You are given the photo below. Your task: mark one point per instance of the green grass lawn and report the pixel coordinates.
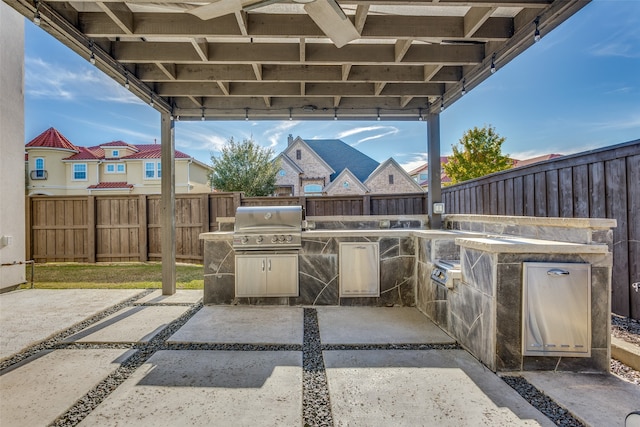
(112, 276)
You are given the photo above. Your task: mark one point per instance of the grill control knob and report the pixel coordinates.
(259, 239)
(274, 239)
(289, 238)
(281, 238)
(245, 239)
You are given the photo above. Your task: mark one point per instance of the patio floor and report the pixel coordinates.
(105, 358)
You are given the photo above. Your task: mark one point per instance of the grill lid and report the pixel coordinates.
(267, 227)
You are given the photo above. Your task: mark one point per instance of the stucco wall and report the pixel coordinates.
(12, 182)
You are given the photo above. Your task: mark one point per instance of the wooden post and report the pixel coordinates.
(433, 172)
(28, 232)
(168, 205)
(206, 224)
(237, 201)
(143, 230)
(91, 229)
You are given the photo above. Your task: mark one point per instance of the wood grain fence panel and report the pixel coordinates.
(581, 191)
(509, 197)
(617, 208)
(518, 195)
(540, 194)
(633, 208)
(528, 183)
(553, 202)
(501, 198)
(565, 177)
(473, 202)
(597, 204)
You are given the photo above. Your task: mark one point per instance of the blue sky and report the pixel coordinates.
(575, 90)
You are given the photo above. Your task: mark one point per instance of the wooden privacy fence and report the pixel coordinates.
(127, 228)
(602, 183)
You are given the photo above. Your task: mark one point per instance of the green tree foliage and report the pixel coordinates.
(480, 154)
(244, 166)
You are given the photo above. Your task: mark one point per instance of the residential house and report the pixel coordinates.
(55, 166)
(330, 167)
(420, 174)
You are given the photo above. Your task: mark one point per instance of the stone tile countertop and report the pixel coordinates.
(394, 232)
(515, 244)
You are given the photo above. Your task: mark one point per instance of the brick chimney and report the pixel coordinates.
(290, 140)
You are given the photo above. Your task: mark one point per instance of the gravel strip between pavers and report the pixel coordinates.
(328, 347)
(542, 402)
(95, 396)
(60, 336)
(316, 406)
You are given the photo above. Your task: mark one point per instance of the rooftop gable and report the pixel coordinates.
(391, 161)
(52, 138)
(346, 175)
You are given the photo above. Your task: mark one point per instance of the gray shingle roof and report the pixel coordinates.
(340, 156)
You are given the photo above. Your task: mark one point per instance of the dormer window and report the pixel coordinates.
(115, 153)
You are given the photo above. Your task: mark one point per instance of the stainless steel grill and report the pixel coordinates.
(267, 227)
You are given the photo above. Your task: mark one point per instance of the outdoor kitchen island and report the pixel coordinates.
(481, 306)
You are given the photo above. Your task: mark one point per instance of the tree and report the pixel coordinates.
(244, 166)
(480, 154)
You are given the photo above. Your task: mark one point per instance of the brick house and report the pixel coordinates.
(57, 167)
(330, 167)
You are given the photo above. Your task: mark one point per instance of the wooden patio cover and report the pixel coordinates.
(296, 59)
(304, 59)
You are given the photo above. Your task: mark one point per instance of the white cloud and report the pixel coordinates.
(275, 135)
(48, 80)
(392, 131)
(355, 131)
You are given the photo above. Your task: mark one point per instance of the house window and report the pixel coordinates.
(298, 154)
(39, 172)
(423, 176)
(115, 168)
(115, 153)
(80, 172)
(312, 190)
(282, 172)
(152, 170)
(391, 179)
(345, 184)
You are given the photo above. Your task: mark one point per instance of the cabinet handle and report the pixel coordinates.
(262, 265)
(269, 264)
(557, 272)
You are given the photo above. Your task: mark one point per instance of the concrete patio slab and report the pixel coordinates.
(29, 316)
(376, 325)
(429, 387)
(206, 388)
(181, 296)
(595, 399)
(243, 324)
(135, 324)
(37, 391)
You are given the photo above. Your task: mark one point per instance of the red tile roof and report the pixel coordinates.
(152, 151)
(51, 138)
(526, 162)
(110, 185)
(91, 153)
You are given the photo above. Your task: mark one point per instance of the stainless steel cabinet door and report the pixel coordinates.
(251, 277)
(556, 317)
(359, 269)
(282, 275)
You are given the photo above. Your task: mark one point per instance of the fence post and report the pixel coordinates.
(28, 241)
(237, 201)
(143, 236)
(204, 209)
(91, 229)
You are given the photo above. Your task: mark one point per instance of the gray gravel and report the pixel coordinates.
(628, 330)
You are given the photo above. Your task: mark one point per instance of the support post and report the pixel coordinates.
(168, 205)
(433, 171)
